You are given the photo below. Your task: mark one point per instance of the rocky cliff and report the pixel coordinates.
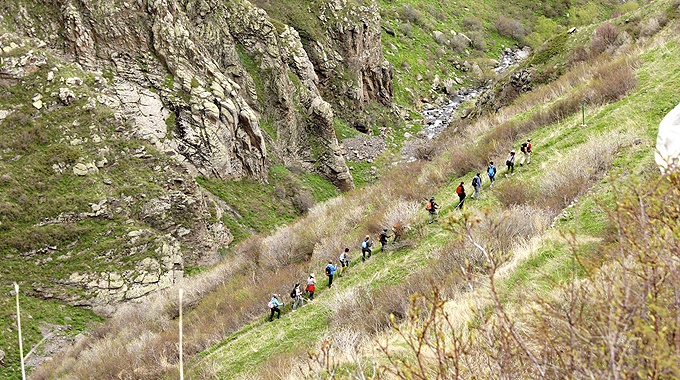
(219, 69)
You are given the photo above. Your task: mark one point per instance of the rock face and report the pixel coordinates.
(206, 105)
(106, 289)
(503, 93)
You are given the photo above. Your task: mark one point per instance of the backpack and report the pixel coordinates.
(428, 206)
(328, 271)
(475, 181)
(492, 171)
(293, 293)
(364, 244)
(523, 149)
(459, 190)
(270, 304)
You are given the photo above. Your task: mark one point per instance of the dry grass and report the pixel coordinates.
(587, 164)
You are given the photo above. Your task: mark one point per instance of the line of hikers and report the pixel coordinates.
(296, 293)
(432, 207)
(491, 171)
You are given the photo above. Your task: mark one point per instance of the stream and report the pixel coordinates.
(439, 118)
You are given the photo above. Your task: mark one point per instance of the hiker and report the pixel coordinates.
(477, 185)
(311, 281)
(432, 207)
(296, 295)
(460, 190)
(398, 230)
(526, 150)
(344, 261)
(274, 306)
(491, 170)
(330, 269)
(383, 239)
(510, 162)
(366, 247)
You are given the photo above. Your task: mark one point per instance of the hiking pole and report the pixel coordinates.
(181, 364)
(21, 346)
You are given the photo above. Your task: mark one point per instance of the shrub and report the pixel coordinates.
(440, 38)
(459, 43)
(578, 54)
(471, 23)
(612, 81)
(407, 29)
(410, 14)
(510, 27)
(303, 201)
(606, 36)
(651, 27)
(513, 192)
(478, 41)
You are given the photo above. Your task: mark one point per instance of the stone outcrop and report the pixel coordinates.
(503, 93)
(106, 289)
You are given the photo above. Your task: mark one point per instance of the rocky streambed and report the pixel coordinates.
(439, 118)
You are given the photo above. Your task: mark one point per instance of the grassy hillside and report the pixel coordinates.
(576, 176)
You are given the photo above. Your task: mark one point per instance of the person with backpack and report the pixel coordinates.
(510, 162)
(491, 170)
(366, 248)
(526, 150)
(274, 307)
(344, 261)
(296, 295)
(460, 190)
(477, 185)
(330, 269)
(311, 282)
(383, 239)
(432, 208)
(398, 230)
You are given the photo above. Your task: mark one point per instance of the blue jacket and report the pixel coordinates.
(333, 269)
(275, 302)
(476, 181)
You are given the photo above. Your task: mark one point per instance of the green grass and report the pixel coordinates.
(262, 206)
(35, 313)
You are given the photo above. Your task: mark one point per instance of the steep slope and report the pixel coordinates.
(227, 328)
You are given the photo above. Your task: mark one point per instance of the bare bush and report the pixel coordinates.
(459, 43)
(612, 81)
(471, 23)
(606, 38)
(478, 41)
(564, 183)
(410, 14)
(578, 54)
(651, 27)
(303, 201)
(407, 29)
(513, 192)
(510, 27)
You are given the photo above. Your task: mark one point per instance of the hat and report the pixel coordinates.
(432, 198)
(512, 151)
(528, 139)
(384, 229)
(311, 275)
(275, 295)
